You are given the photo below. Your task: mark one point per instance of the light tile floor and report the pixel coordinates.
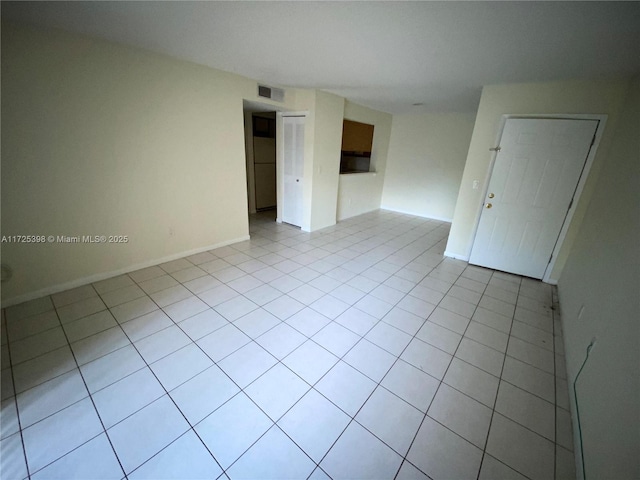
(358, 351)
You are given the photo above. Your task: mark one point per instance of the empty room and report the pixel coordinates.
(320, 240)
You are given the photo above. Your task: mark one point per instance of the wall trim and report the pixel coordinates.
(406, 212)
(106, 275)
(457, 256)
(340, 219)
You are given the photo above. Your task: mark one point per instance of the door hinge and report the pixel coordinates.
(570, 204)
(593, 140)
(550, 258)
(495, 149)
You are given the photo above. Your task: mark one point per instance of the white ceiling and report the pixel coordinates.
(386, 55)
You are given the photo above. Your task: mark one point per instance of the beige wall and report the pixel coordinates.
(579, 97)
(426, 159)
(359, 193)
(98, 138)
(602, 276)
(327, 116)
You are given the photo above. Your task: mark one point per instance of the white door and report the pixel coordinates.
(534, 178)
(293, 170)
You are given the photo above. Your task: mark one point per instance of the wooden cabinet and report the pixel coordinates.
(356, 137)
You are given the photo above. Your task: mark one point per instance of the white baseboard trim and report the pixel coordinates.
(340, 219)
(104, 276)
(406, 212)
(457, 256)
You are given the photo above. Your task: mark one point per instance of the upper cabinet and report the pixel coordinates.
(357, 137)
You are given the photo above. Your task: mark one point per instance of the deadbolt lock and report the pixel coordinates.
(491, 195)
(488, 205)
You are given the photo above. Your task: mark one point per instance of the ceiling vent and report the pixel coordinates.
(275, 94)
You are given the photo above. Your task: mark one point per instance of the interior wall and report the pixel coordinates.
(601, 279)
(579, 97)
(359, 193)
(327, 138)
(103, 139)
(427, 154)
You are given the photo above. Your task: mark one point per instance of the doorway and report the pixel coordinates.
(260, 148)
(275, 163)
(535, 176)
(264, 160)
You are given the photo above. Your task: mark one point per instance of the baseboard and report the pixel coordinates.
(456, 256)
(106, 275)
(340, 219)
(405, 212)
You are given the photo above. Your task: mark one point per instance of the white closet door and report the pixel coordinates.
(293, 174)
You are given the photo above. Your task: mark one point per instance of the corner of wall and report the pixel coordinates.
(361, 193)
(598, 291)
(325, 169)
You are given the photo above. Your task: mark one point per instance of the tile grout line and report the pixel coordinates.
(495, 401)
(109, 352)
(377, 385)
(90, 396)
(168, 396)
(15, 400)
(242, 390)
(555, 388)
(503, 353)
(350, 305)
(147, 366)
(441, 381)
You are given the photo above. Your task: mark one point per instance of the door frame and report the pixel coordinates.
(584, 175)
(280, 160)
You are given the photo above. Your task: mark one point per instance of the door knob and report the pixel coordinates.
(491, 195)
(488, 205)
